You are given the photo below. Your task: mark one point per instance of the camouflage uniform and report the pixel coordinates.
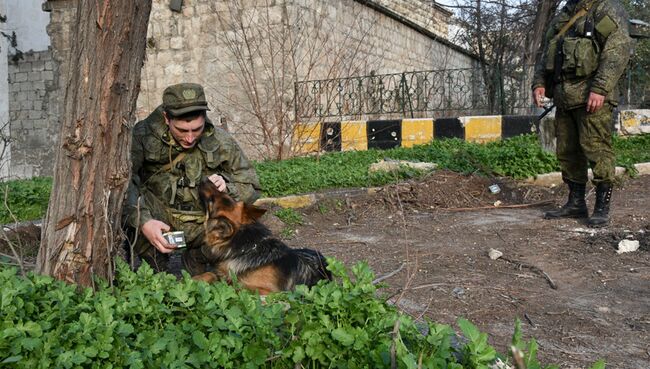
(170, 194)
(590, 57)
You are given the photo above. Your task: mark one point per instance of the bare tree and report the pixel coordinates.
(543, 15)
(506, 35)
(274, 44)
(81, 227)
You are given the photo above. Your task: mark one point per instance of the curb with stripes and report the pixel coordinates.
(387, 134)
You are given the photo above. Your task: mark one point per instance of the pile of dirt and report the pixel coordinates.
(24, 238)
(450, 190)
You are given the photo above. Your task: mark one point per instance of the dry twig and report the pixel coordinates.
(384, 277)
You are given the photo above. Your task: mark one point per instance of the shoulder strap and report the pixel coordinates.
(171, 164)
(583, 10)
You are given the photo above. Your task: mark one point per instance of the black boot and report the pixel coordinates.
(600, 217)
(575, 207)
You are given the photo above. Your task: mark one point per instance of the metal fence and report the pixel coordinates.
(436, 93)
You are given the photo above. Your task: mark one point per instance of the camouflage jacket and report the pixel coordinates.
(592, 54)
(153, 147)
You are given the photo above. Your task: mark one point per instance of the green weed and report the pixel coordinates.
(289, 216)
(150, 320)
(25, 199)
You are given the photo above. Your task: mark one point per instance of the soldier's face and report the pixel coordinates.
(185, 132)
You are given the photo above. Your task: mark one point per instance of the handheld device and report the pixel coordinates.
(176, 238)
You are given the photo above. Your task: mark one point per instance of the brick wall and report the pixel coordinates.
(33, 122)
(189, 46)
(424, 13)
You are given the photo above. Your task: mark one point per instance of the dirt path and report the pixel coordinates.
(599, 309)
(434, 234)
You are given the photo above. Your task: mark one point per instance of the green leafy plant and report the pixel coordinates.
(289, 216)
(149, 320)
(25, 199)
(291, 219)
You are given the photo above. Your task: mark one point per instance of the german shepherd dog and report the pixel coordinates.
(236, 243)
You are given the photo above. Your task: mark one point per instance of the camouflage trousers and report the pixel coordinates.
(585, 140)
(190, 222)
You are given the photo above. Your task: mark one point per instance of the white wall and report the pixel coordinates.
(28, 20)
(4, 91)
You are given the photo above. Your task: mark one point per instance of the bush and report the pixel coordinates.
(152, 320)
(26, 199)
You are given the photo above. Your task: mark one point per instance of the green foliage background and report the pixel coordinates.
(518, 157)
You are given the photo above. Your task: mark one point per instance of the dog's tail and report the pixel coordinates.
(312, 267)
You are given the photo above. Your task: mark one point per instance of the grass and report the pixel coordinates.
(518, 157)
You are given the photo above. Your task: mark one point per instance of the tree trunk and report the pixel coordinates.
(82, 226)
(545, 10)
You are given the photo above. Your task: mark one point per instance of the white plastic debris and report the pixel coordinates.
(495, 254)
(627, 246)
(495, 188)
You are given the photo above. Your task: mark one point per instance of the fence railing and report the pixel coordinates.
(436, 93)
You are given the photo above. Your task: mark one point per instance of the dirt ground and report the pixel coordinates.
(428, 241)
(432, 248)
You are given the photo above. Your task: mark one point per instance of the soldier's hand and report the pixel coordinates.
(595, 102)
(538, 96)
(219, 182)
(153, 230)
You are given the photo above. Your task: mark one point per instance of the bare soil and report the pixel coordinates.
(429, 240)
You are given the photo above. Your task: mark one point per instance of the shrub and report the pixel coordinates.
(149, 320)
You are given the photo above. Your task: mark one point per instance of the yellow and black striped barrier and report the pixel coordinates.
(386, 134)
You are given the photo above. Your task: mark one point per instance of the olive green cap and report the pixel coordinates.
(184, 98)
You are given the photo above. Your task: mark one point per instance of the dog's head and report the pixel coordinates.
(224, 215)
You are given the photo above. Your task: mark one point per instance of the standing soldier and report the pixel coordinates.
(172, 149)
(583, 55)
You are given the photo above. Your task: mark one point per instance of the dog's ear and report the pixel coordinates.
(212, 199)
(253, 213)
(208, 193)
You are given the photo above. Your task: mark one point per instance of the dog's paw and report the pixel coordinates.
(208, 277)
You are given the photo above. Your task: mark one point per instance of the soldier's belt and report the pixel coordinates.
(186, 216)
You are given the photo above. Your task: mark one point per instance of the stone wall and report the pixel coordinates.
(191, 46)
(33, 120)
(424, 13)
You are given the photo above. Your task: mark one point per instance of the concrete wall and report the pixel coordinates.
(23, 80)
(28, 20)
(191, 46)
(34, 126)
(4, 98)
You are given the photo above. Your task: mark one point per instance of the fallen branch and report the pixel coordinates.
(524, 265)
(389, 274)
(491, 207)
(533, 268)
